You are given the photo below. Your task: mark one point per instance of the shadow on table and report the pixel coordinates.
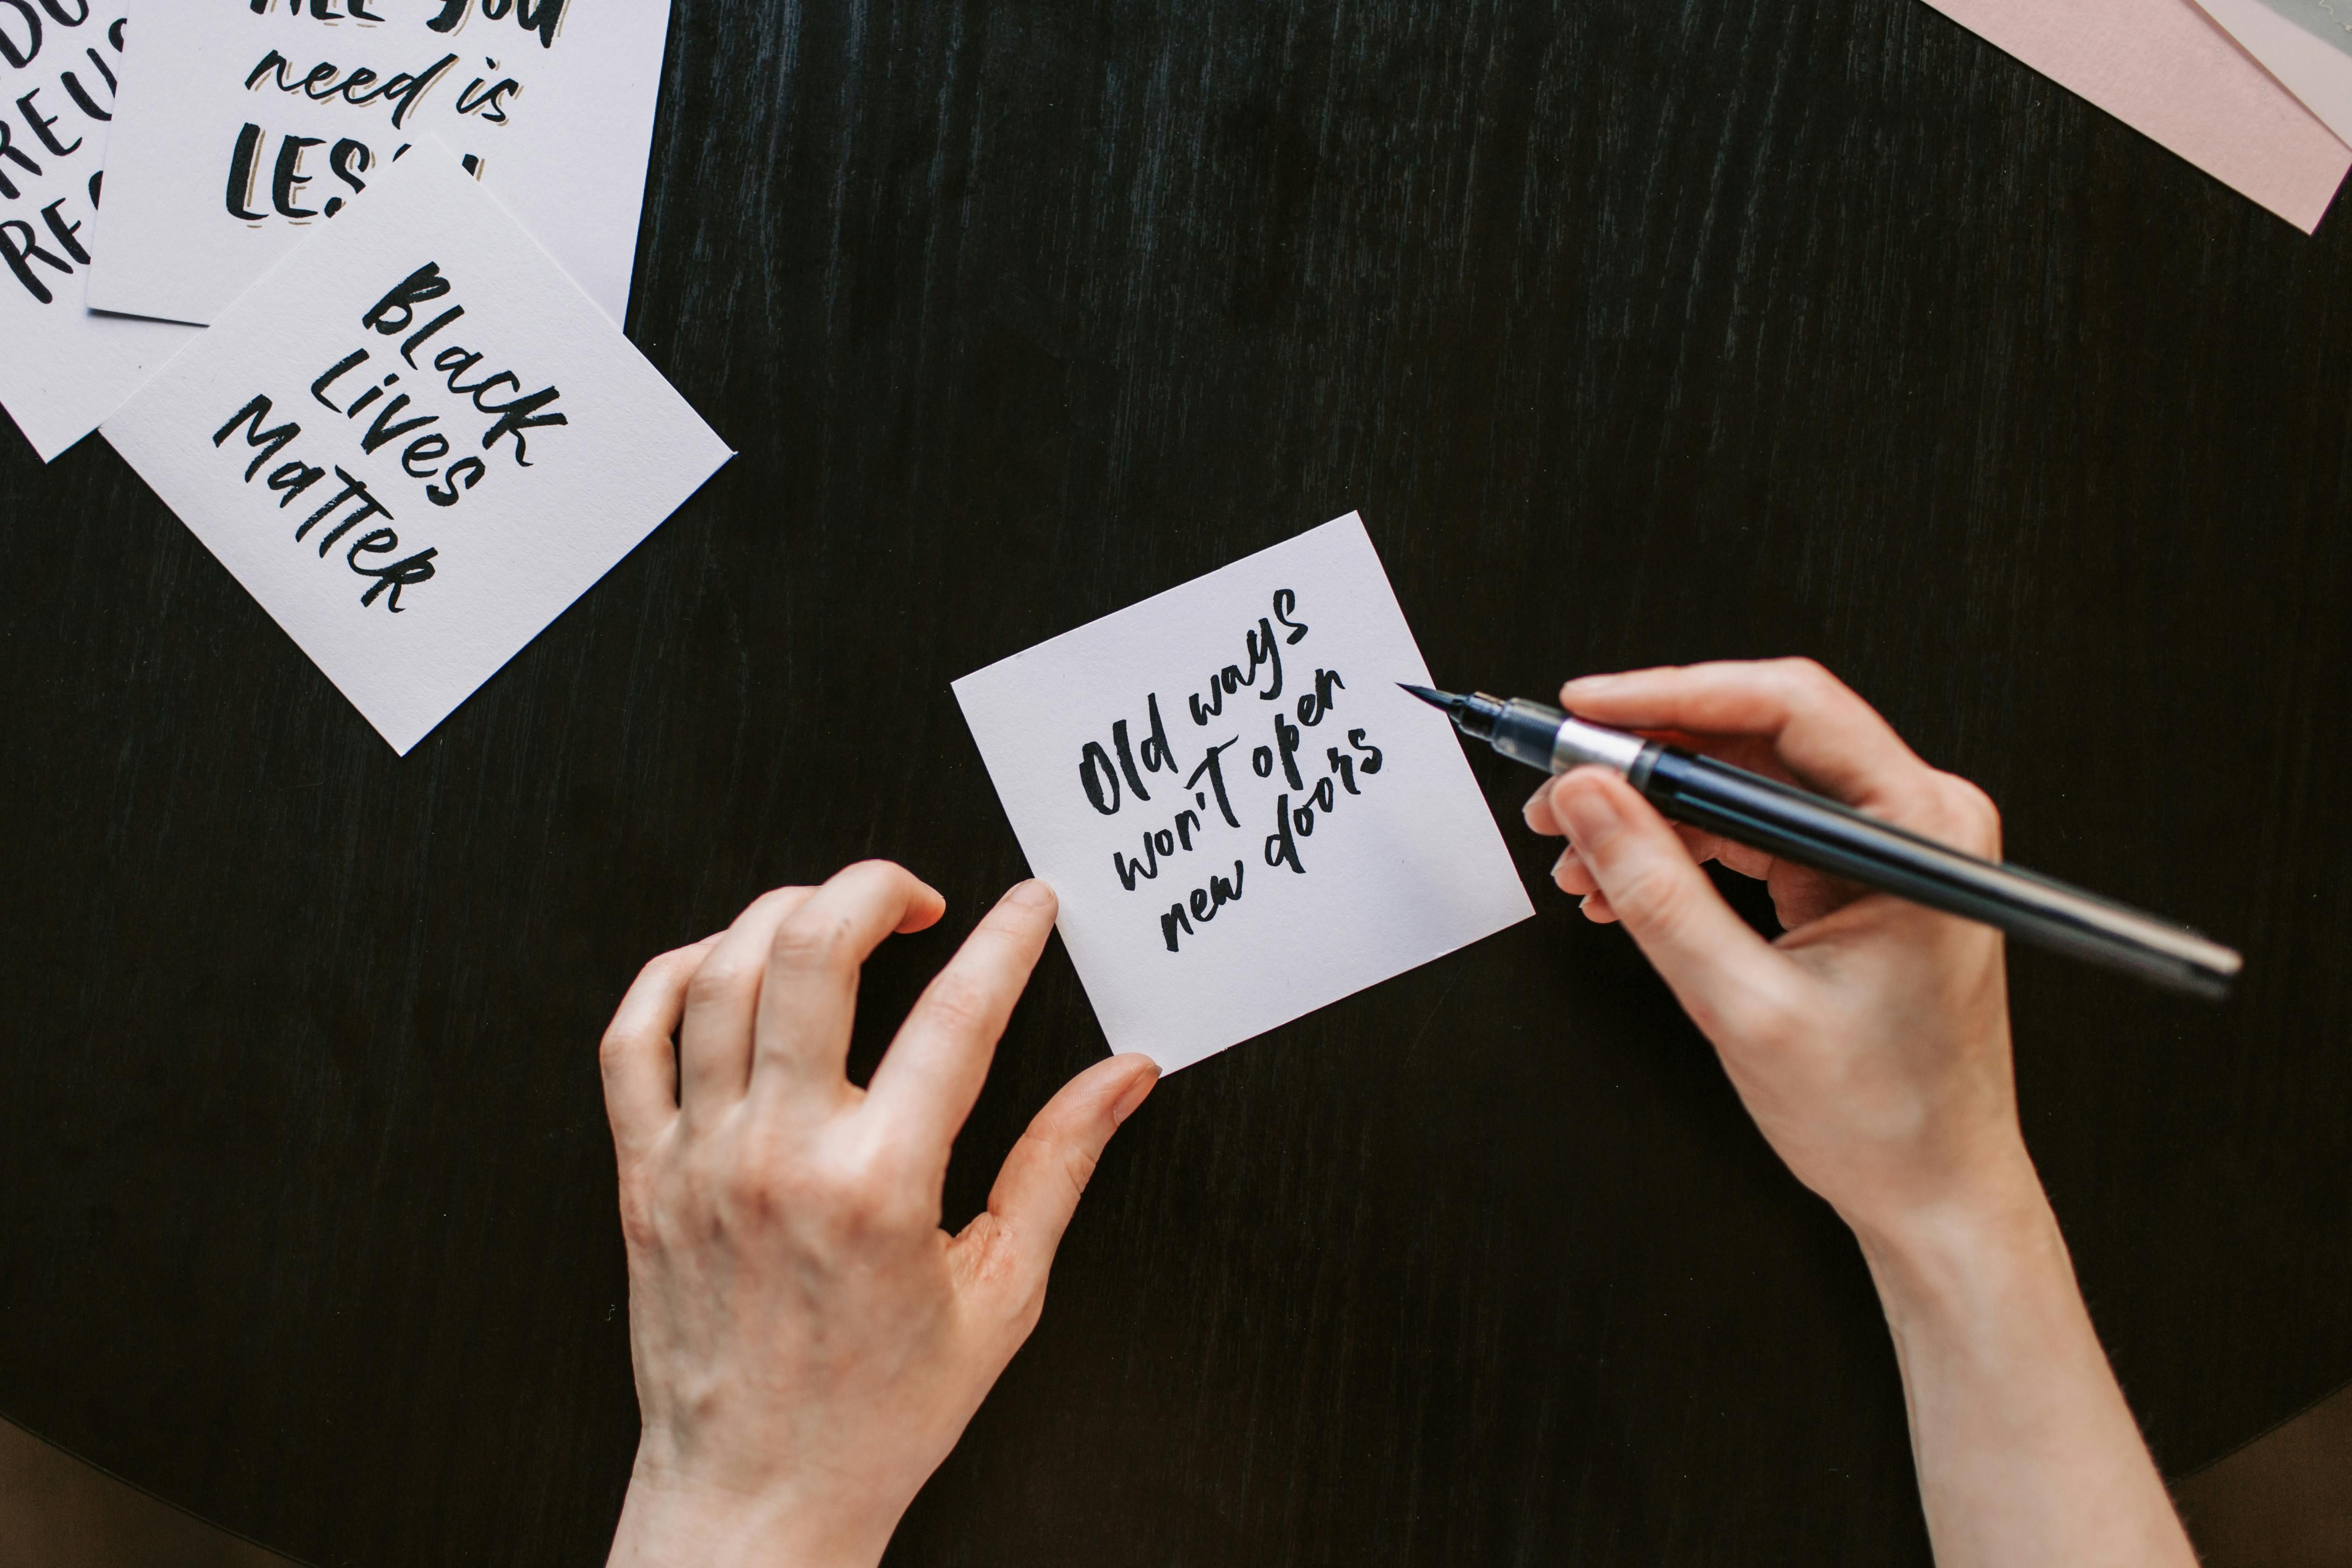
(2284, 1501)
(57, 1512)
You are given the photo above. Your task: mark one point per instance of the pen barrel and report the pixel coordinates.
(1789, 823)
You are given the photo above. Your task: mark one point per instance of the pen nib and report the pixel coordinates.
(1444, 700)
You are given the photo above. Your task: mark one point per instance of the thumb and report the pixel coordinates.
(1037, 1191)
(1710, 957)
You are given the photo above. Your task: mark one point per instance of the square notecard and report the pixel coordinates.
(1244, 817)
(416, 441)
(62, 368)
(246, 123)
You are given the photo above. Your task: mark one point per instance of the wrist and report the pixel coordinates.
(669, 1520)
(1980, 1255)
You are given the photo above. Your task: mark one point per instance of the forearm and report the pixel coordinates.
(2027, 1452)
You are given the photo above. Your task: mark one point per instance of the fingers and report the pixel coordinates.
(1713, 960)
(714, 1047)
(926, 1085)
(1043, 1177)
(1824, 732)
(639, 1066)
(808, 991)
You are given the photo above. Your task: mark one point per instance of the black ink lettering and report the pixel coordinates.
(1314, 705)
(272, 441)
(65, 231)
(1186, 821)
(100, 61)
(1325, 796)
(1127, 761)
(424, 333)
(1285, 601)
(1212, 765)
(1168, 923)
(1372, 763)
(1094, 771)
(81, 95)
(1285, 738)
(289, 175)
(243, 167)
(446, 492)
(353, 489)
(414, 92)
(400, 575)
(1221, 892)
(1345, 766)
(41, 122)
(1261, 646)
(16, 54)
(426, 450)
(1202, 714)
(1157, 757)
(1280, 850)
(382, 433)
(424, 283)
(19, 246)
(522, 414)
(348, 362)
(341, 160)
(491, 103)
(1262, 761)
(14, 154)
(294, 479)
(1128, 870)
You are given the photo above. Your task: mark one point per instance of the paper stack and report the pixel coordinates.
(414, 431)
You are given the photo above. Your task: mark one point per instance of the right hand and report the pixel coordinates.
(1870, 1042)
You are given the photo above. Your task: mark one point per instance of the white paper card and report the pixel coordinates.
(416, 442)
(62, 369)
(1244, 818)
(2306, 43)
(246, 123)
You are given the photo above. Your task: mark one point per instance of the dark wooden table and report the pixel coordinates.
(1639, 332)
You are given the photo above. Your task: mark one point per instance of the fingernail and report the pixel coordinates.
(1528, 811)
(1034, 893)
(1591, 813)
(1592, 683)
(1561, 864)
(1136, 1093)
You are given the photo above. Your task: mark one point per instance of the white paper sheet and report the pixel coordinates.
(561, 121)
(2306, 43)
(62, 369)
(1167, 734)
(521, 445)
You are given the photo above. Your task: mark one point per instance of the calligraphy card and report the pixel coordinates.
(64, 368)
(416, 441)
(1244, 817)
(245, 124)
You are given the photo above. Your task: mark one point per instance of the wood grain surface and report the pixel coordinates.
(1639, 331)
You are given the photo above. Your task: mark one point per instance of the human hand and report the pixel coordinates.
(808, 1342)
(1871, 1042)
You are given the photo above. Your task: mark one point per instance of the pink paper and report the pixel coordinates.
(2165, 69)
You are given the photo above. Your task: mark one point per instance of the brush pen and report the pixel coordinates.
(1812, 830)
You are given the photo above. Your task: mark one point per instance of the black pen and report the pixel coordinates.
(1812, 830)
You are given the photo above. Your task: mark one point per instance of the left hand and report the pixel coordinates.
(809, 1344)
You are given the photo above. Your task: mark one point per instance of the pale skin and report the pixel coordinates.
(809, 1344)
